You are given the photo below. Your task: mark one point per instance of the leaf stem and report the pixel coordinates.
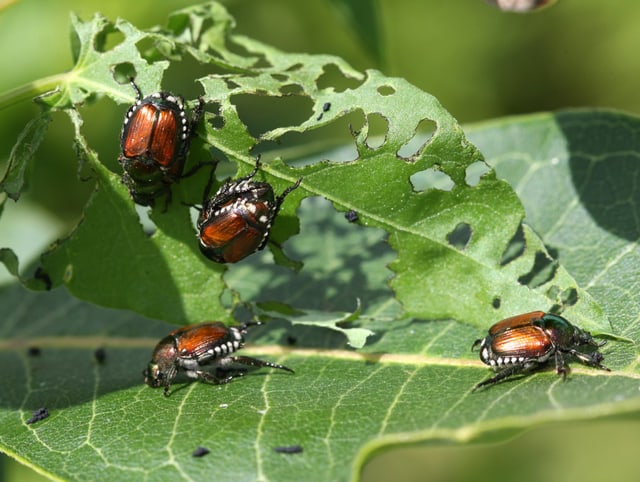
(31, 90)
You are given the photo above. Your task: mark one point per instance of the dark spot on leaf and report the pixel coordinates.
(544, 269)
(39, 414)
(34, 351)
(431, 179)
(460, 236)
(386, 90)
(351, 216)
(475, 172)
(417, 144)
(325, 108)
(333, 77)
(288, 449)
(496, 302)
(200, 452)
(514, 248)
(100, 355)
(291, 340)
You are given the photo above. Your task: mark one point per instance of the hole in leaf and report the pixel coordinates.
(107, 39)
(569, 297)
(378, 127)
(386, 90)
(554, 292)
(342, 145)
(496, 302)
(294, 67)
(544, 269)
(423, 134)
(514, 248)
(261, 61)
(460, 236)
(215, 120)
(280, 77)
(154, 49)
(124, 72)
(431, 179)
(475, 172)
(291, 89)
(231, 85)
(333, 77)
(264, 113)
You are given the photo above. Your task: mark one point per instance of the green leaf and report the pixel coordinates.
(112, 230)
(411, 383)
(456, 259)
(356, 337)
(28, 142)
(575, 172)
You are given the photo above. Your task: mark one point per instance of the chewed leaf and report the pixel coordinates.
(412, 174)
(356, 337)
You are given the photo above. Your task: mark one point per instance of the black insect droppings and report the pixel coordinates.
(34, 351)
(351, 216)
(38, 415)
(288, 449)
(200, 452)
(100, 355)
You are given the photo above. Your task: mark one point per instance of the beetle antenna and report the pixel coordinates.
(136, 88)
(244, 326)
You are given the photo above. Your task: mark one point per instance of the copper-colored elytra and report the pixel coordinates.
(197, 338)
(222, 231)
(139, 131)
(526, 340)
(164, 142)
(250, 241)
(516, 322)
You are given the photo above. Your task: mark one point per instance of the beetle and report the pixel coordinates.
(522, 343)
(154, 141)
(236, 221)
(193, 347)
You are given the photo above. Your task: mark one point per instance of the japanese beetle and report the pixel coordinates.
(236, 221)
(193, 347)
(155, 141)
(525, 342)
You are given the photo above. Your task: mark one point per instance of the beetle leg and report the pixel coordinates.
(195, 118)
(197, 167)
(216, 379)
(593, 359)
(280, 198)
(561, 369)
(254, 362)
(507, 372)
